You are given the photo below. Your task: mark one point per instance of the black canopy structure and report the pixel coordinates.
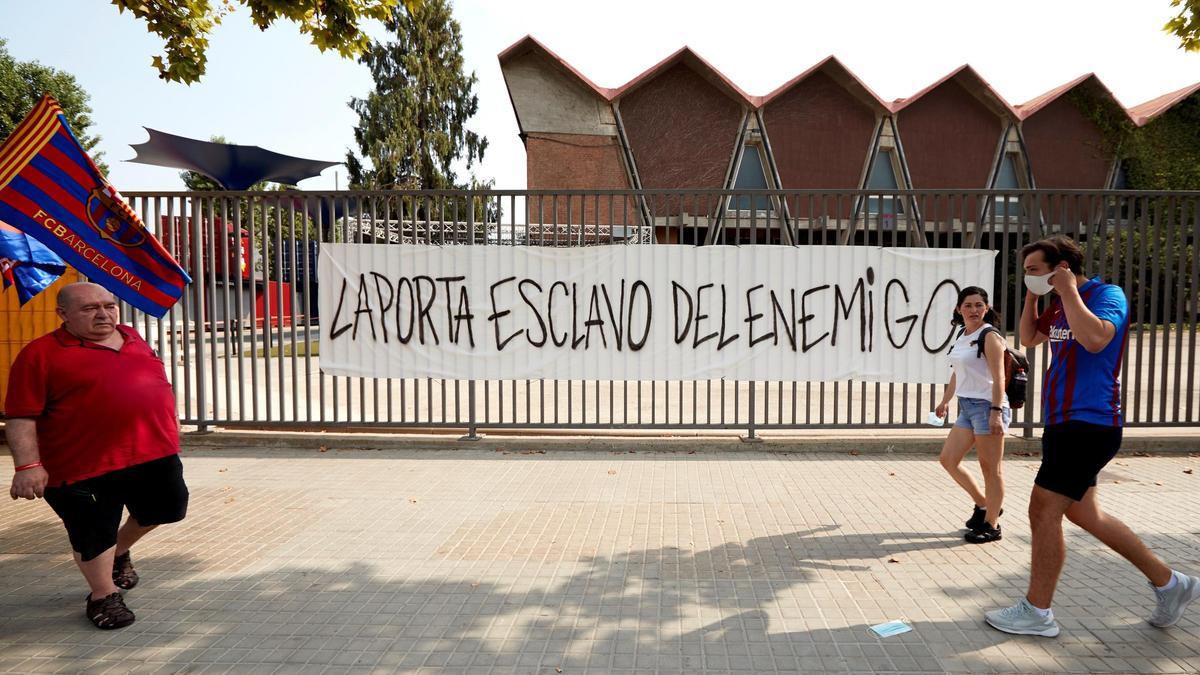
(234, 167)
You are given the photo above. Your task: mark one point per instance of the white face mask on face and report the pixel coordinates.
(1039, 284)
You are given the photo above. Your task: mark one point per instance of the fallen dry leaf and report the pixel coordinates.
(893, 560)
(1157, 483)
(612, 472)
(322, 449)
(1140, 453)
(222, 470)
(854, 452)
(891, 473)
(229, 500)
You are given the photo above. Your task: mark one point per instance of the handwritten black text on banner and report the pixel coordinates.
(642, 312)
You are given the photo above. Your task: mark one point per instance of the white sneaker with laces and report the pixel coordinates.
(1022, 619)
(1172, 603)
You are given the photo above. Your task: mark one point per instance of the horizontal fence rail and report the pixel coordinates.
(242, 347)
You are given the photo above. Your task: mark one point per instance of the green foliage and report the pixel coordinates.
(1186, 24)
(1165, 154)
(186, 24)
(22, 84)
(412, 127)
(1111, 119)
(1155, 260)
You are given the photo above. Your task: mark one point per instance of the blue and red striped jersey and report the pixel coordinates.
(1080, 385)
(52, 191)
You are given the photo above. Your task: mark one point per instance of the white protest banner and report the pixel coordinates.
(643, 312)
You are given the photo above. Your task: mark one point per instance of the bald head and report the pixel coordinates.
(71, 294)
(88, 311)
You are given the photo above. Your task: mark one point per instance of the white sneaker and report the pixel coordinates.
(1172, 603)
(1022, 619)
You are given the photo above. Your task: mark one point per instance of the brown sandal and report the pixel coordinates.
(123, 575)
(109, 612)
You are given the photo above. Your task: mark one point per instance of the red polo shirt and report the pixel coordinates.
(97, 409)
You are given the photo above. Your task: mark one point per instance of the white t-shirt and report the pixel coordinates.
(972, 377)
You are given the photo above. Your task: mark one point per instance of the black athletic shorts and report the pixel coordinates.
(91, 509)
(1073, 453)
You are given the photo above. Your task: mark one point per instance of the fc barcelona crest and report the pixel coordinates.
(113, 219)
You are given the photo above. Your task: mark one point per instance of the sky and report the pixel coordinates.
(276, 90)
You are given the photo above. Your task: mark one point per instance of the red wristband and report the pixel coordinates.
(32, 465)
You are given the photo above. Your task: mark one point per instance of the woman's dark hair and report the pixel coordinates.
(991, 317)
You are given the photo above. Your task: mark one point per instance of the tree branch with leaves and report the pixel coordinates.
(185, 25)
(1186, 24)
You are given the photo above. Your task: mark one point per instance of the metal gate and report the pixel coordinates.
(243, 346)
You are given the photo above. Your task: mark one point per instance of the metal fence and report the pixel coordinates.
(243, 346)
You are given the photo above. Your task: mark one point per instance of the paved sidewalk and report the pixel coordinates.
(521, 561)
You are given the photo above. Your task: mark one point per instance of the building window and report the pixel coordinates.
(751, 175)
(883, 177)
(1121, 177)
(1006, 179)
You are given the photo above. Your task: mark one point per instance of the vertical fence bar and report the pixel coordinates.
(199, 316)
(1195, 306)
(1165, 318)
(1180, 218)
(472, 420)
(310, 269)
(226, 318)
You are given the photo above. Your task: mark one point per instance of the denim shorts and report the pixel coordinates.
(973, 414)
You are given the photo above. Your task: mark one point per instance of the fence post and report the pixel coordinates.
(750, 436)
(199, 316)
(472, 421)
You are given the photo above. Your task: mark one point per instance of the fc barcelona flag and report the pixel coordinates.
(26, 263)
(51, 191)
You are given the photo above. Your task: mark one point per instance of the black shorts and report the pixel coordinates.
(91, 509)
(1073, 453)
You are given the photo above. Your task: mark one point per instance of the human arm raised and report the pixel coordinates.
(1030, 336)
(1089, 330)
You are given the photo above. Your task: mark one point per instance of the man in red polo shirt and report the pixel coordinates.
(93, 429)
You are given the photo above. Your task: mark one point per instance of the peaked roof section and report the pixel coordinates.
(691, 59)
(970, 80)
(1030, 107)
(529, 44)
(834, 68)
(965, 75)
(1147, 112)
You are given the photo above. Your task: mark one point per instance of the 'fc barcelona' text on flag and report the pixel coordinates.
(52, 191)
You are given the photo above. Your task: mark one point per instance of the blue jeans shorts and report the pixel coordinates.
(973, 414)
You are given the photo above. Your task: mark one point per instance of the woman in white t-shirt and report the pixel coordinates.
(983, 412)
